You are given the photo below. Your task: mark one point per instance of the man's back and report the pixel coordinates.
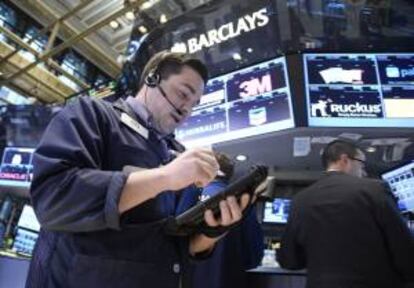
(347, 233)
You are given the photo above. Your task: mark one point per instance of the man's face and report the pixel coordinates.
(356, 166)
(184, 91)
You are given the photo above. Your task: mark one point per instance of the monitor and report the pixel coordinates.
(360, 90)
(27, 231)
(16, 167)
(276, 211)
(28, 219)
(401, 183)
(244, 103)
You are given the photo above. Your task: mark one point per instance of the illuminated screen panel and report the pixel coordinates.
(401, 182)
(399, 101)
(244, 103)
(360, 90)
(28, 219)
(16, 168)
(396, 69)
(276, 211)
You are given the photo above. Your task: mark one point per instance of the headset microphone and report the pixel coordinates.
(153, 80)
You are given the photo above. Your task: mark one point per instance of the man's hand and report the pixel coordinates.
(196, 166)
(230, 212)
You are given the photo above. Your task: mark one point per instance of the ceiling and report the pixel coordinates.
(90, 31)
(104, 46)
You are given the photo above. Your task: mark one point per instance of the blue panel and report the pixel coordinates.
(277, 211)
(240, 104)
(16, 168)
(360, 90)
(401, 182)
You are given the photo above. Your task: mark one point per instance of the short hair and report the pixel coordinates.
(167, 63)
(335, 149)
(226, 166)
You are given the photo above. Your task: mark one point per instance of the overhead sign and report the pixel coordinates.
(230, 30)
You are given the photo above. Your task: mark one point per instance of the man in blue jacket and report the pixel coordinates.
(241, 249)
(103, 225)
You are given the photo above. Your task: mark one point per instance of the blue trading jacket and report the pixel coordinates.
(78, 178)
(241, 249)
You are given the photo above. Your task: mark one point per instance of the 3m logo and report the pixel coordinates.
(255, 86)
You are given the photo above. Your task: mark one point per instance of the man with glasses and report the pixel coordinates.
(346, 230)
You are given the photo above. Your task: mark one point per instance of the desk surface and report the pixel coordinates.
(277, 270)
(13, 271)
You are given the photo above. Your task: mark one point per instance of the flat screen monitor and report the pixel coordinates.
(27, 231)
(401, 182)
(16, 167)
(276, 211)
(360, 90)
(28, 219)
(247, 102)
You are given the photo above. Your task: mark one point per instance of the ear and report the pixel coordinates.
(345, 163)
(344, 159)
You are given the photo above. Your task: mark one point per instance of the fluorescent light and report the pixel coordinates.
(163, 19)
(250, 50)
(237, 56)
(130, 15)
(241, 158)
(114, 24)
(371, 149)
(143, 29)
(148, 4)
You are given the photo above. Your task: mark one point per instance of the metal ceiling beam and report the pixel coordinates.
(53, 25)
(16, 39)
(52, 37)
(22, 91)
(58, 49)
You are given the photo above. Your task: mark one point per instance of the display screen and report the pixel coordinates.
(28, 219)
(277, 211)
(360, 90)
(401, 182)
(27, 231)
(16, 168)
(244, 103)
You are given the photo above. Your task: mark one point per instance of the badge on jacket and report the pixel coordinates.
(134, 125)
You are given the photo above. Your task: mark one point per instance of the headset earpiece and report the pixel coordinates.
(152, 79)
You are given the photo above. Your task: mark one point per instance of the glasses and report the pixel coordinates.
(363, 162)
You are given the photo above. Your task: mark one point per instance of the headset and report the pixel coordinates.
(153, 80)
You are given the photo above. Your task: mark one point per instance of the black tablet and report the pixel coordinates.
(194, 217)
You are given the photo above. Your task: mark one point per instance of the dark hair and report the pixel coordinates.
(168, 63)
(335, 149)
(226, 166)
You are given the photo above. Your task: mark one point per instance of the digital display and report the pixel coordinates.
(244, 103)
(277, 211)
(28, 219)
(399, 101)
(396, 69)
(401, 182)
(360, 90)
(16, 168)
